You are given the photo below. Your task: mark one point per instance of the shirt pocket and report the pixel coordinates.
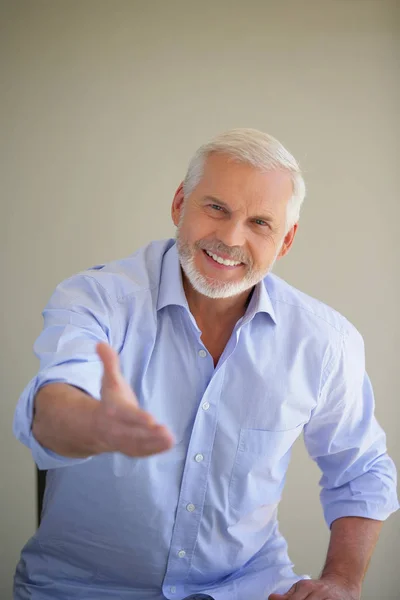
(258, 473)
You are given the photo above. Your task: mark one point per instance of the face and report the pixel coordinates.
(232, 227)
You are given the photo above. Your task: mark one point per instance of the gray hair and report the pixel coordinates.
(255, 148)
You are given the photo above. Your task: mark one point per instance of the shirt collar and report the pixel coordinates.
(171, 290)
(260, 302)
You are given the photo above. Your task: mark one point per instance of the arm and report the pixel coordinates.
(59, 416)
(72, 424)
(64, 421)
(344, 438)
(350, 549)
(358, 477)
(352, 542)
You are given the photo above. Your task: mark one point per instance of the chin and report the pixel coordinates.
(216, 289)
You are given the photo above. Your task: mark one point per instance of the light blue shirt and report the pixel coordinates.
(202, 516)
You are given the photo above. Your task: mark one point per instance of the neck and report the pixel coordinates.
(215, 311)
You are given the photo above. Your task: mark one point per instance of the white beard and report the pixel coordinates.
(213, 288)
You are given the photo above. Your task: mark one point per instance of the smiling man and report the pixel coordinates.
(172, 387)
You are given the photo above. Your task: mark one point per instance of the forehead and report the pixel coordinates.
(237, 182)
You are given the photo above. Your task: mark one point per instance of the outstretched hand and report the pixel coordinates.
(121, 425)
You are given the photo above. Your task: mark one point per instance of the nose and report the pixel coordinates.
(231, 233)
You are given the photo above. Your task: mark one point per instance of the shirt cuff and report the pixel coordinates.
(357, 509)
(22, 427)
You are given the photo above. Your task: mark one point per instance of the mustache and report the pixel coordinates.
(232, 252)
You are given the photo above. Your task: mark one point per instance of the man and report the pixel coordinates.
(207, 368)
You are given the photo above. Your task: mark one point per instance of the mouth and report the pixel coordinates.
(220, 262)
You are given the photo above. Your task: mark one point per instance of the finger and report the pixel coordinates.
(139, 443)
(317, 595)
(132, 415)
(299, 594)
(310, 590)
(285, 596)
(289, 595)
(158, 445)
(142, 435)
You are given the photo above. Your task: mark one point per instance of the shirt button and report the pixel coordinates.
(205, 405)
(190, 507)
(181, 554)
(172, 589)
(199, 457)
(202, 353)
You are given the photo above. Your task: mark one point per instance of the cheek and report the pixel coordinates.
(263, 252)
(198, 228)
(185, 231)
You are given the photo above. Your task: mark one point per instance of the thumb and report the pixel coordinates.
(113, 380)
(286, 596)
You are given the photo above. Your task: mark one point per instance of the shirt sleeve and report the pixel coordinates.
(79, 314)
(345, 439)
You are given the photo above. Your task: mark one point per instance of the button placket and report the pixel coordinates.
(194, 485)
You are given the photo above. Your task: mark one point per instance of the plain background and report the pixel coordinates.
(102, 105)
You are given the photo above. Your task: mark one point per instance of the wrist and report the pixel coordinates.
(348, 582)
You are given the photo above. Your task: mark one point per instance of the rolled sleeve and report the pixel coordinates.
(345, 439)
(79, 314)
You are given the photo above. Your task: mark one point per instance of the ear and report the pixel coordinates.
(177, 205)
(288, 241)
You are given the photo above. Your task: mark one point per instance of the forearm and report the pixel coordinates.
(352, 542)
(64, 420)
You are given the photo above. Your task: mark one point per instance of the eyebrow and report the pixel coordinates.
(266, 218)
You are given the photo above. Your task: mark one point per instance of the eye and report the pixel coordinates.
(216, 207)
(261, 223)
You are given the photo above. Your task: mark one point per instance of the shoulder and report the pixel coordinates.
(318, 331)
(122, 279)
(305, 312)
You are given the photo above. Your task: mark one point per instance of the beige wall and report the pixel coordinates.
(102, 104)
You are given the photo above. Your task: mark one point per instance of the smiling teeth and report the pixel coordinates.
(222, 261)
